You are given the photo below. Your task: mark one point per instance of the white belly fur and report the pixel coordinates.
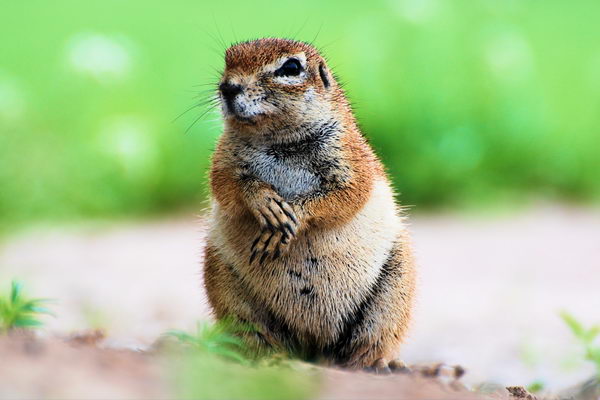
(336, 266)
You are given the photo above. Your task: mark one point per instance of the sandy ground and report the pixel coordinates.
(490, 287)
(53, 369)
(50, 368)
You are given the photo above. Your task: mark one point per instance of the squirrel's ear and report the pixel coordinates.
(324, 75)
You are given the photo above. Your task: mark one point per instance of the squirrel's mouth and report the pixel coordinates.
(239, 113)
(238, 118)
(233, 113)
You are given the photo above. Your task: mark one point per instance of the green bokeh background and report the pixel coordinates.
(470, 103)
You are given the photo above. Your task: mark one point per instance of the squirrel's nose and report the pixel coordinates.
(229, 90)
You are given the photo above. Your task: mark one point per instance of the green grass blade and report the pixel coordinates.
(15, 291)
(16, 311)
(573, 324)
(27, 322)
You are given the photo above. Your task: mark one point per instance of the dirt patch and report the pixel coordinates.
(344, 385)
(54, 368)
(80, 368)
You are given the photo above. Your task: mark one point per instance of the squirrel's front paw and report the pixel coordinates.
(268, 243)
(279, 224)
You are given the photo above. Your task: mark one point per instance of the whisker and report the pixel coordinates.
(312, 42)
(213, 102)
(202, 93)
(211, 46)
(232, 30)
(183, 113)
(220, 36)
(300, 29)
(199, 118)
(212, 84)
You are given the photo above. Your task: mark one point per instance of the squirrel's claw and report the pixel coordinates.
(277, 214)
(268, 243)
(288, 211)
(279, 224)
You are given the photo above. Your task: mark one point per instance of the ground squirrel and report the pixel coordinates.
(305, 241)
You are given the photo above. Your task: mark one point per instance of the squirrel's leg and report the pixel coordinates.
(229, 299)
(221, 287)
(277, 219)
(373, 334)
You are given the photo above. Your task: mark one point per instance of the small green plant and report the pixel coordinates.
(221, 339)
(536, 386)
(17, 311)
(589, 338)
(222, 365)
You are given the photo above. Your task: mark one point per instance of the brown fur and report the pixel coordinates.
(305, 240)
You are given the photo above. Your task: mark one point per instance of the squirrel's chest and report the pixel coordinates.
(291, 177)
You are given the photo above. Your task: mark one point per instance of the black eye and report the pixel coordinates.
(291, 67)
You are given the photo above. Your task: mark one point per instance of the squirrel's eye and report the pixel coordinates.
(291, 67)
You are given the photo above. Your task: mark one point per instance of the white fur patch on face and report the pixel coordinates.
(248, 108)
(291, 80)
(310, 94)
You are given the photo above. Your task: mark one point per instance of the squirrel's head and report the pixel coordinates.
(273, 84)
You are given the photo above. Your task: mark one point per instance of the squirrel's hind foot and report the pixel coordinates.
(439, 370)
(382, 367)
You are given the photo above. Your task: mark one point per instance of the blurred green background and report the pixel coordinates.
(470, 103)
